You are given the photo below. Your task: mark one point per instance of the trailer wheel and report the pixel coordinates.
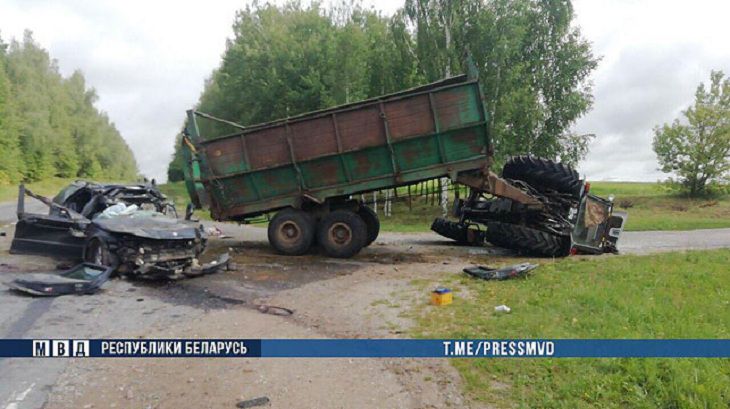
(291, 232)
(342, 234)
(372, 223)
(527, 240)
(543, 173)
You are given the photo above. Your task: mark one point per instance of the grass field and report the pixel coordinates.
(179, 195)
(650, 207)
(674, 295)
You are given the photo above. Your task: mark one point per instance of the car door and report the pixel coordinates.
(57, 233)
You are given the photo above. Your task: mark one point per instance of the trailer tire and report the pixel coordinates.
(291, 232)
(372, 223)
(543, 173)
(342, 233)
(527, 240)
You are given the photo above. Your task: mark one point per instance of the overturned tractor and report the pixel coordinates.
(537, 207)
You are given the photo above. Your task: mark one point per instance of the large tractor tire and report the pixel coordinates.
(462, 233)
(291, 232)
(527, 240)
(450, 230)
(371, 222)
(342, 234)
(543, 173)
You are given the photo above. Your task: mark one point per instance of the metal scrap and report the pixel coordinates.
(84, 278)
(504, 273)
(250, 403)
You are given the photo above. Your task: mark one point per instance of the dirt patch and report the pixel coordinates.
(345, 299)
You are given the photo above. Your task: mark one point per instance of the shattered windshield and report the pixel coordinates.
(591, 222)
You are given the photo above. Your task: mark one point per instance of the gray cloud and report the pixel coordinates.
(654, 56)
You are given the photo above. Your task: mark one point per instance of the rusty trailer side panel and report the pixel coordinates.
(419, 134)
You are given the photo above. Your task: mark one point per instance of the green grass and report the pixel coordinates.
(652, 207)
(674, 295)
(621, 189)
(177, 193)
(48, 187)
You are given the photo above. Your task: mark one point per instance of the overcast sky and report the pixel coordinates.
(148, 60)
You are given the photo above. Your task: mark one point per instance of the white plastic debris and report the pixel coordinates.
(117, 210)
(502, 308)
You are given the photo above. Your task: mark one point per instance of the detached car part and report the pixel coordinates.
(504, 273)
(84, 278)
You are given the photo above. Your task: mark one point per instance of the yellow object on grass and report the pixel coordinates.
(442, 296)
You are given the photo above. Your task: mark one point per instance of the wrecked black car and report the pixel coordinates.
(130, 227)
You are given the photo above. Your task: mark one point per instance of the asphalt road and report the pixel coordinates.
(128, 308)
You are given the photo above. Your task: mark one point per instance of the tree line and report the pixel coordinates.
(49, 125)
(289, 59)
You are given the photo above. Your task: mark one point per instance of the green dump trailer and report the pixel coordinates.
(311, 168)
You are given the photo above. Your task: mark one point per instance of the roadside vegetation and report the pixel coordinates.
(673, 295)
(284, 60)
(47, 187)
(49, 124)
(697, 148)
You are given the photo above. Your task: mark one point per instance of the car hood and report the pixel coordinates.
(151, 227)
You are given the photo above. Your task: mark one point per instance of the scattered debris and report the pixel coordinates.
(502, 308)
(250, 403)
(85, 278)
(274, 310)
(504, 273)
(214, 266)
(213, 231)
(441, 296)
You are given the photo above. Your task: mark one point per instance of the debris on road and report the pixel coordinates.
(223, 261)
(502, 308)
(214, 231)
(250, 403)
(274, 310)
(504, 273)
(442, 296)
(84, 278)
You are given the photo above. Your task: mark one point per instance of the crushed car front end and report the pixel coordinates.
(149, 245)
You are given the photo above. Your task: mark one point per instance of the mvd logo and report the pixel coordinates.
(61, 348)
